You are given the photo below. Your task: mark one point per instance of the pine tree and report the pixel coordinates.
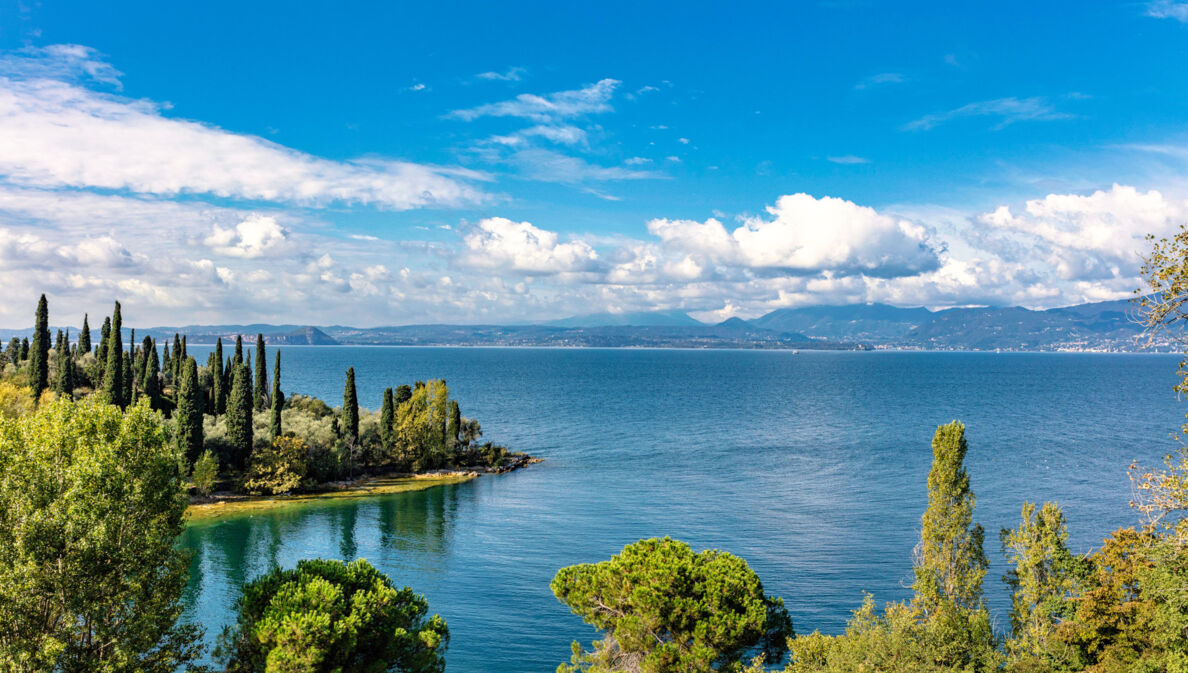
(261, 390)
(84, 337)
(219, 387)
(387, 420)
(39, 367)
(113, 371)
(278, 398)
(950, 560)
(239, 416)
(188, 415)
(350, 407)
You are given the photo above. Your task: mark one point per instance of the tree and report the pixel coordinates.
(188, 415)
(237, 359)
(387, 419)
(25, 349)
(278, 398)
(1043, 582)
(239, 416)
(454, 424)
(950, 561)
(219, 389)
(325, 616)
(39, 366)
(91, 504)
(279, 467)
(84, 337)
(261, 391)
(113, 371)
(350, 407)
(664, 608)
(205, 473)
(151, 385)
(64, 376)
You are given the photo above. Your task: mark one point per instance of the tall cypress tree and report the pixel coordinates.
(387, 420)
(239, 416)
(151, 385)
(350, 407)
(25, 349)
(219, 389)
(113, 370)
(278, 398)
(188, 415)
(64, 373)
(131, 378)
(454, 424)
(237, 359)
(179, 358)
(84, 337)
(39, 367)
(261, 390)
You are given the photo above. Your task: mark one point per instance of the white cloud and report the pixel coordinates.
(561, 135)
(549, 166)
(500, 243)
(848, 160)
(1007, 110)
(881, 79)
(255, 236)
(513, 74)
(552, 107)
(808, 235)
(1166, 9)
(61, 134)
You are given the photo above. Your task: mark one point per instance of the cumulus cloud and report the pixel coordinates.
(808, 235)
(60, 133)
(500, 243)
(552, 107)
(255, 236)
(1007, 110)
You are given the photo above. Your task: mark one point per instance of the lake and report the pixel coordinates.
(811, 466)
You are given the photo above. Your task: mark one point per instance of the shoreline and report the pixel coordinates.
(224, 504)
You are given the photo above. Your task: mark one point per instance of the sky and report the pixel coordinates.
(395, 163)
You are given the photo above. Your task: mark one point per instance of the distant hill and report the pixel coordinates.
(863, 322)
(1099, 326)
(648, 319)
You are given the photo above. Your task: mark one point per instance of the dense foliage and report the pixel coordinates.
(91, 504)
(330, 616)
(663, 607)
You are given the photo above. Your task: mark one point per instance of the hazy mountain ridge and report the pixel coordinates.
(1097, 326)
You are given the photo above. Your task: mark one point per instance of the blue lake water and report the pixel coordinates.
(811, 466)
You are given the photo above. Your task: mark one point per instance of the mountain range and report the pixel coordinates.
(1099, 326)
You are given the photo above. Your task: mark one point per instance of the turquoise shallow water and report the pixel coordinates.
(811, 466)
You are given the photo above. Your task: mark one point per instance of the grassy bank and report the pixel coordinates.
(364, 488)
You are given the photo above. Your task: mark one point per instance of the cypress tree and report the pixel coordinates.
(261, 390)
(387, 420)
(239, 416)
(113, 370)
(151, 383)
(179, 358)
(184, 354)
(350, 407)
(950, 561)
(454, 424)
(278, 398)
(219, 389)
(188, 415)
(131, 371)
(237, 359)
(39, 367)
(64, 377)
(84, 337)
(25, 349)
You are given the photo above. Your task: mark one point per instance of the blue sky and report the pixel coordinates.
(454, 162)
